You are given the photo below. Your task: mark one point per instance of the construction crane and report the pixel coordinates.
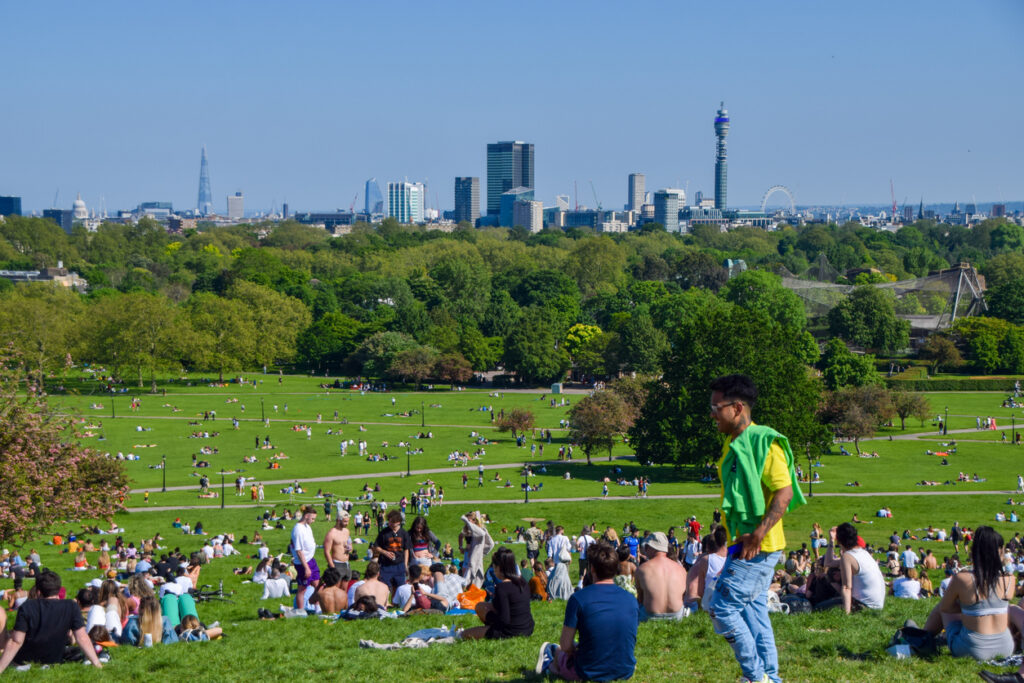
(596, 200)
(576, 193)
(352, 206)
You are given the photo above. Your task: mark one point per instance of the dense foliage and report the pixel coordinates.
(224, 299)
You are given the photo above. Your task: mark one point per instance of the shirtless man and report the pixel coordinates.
(330, 594)
(372, 585)
(338, 545)
(660, 582)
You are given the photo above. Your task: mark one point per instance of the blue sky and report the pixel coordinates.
(302, 102)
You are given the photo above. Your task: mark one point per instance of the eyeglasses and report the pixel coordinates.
(717, 407)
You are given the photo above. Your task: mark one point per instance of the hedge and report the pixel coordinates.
(1003, 384)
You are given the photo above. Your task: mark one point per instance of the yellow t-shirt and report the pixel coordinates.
(775, 476)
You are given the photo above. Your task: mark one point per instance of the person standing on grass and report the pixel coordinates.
(759, 486)
(304, 554)
(660, 582)
(338, 546)
(393, 547)
(605, 617)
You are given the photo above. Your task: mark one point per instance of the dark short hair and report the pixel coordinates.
(395, 516)
(415, 571)
(736, 388)
(372, 569)
(846, 535)
(603, 560)
(48, 584)
(331, 577)
(437, 567)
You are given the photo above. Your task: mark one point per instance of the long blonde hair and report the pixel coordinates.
(109, 590)
(150, 619)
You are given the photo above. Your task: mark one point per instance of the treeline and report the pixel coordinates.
(406, 303)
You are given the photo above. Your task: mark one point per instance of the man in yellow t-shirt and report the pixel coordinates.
(757, 488)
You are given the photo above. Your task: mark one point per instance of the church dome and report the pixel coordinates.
(78, 210)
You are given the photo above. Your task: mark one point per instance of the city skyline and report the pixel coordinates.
(830, 101)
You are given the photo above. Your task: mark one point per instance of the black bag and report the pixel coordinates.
(798, 604)
(921, 642)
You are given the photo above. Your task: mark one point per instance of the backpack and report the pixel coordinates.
(421, 600)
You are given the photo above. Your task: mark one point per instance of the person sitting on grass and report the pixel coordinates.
(863, 585)
(330, 595)
(660, 582)
(41, 628)
(606, 618)
(372, 586)
(421, 596)
(508, 613)
(974, 609)
(539, 583)
(150, 621)
(276, 586)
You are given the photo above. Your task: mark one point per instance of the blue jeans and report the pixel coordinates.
(739, 612)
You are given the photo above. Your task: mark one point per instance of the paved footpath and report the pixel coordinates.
(681, 496)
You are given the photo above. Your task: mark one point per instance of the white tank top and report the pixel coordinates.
(715, 564)
(868, 582)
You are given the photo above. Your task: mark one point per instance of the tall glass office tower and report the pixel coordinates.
(467, 199)
(721, 166)
(373, 200)
(204, 204)
(509, 165)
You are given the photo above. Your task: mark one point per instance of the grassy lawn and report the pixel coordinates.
(815, 647)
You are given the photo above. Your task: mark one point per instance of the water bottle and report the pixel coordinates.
(147, 641)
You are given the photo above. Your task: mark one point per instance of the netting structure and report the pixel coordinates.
(928, 303)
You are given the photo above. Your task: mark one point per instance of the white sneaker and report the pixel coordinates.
(544, 659)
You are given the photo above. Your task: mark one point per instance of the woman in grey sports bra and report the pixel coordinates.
(973, 610)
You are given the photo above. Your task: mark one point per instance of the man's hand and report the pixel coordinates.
(388, 554)
(751, 545)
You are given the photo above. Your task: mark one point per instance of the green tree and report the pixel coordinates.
(941, 351)
(596, 263)
(225, 335)
(1006, 300)
(277, 318)
(326, 344)
(413, 365)
(596, 420)
(709, 337)
(517, 421)
(578, 336)
(759, 290)
(639, 346)
(856, 412)
(840, 367)
(40, 322)
(375, 354)
(868, 318)
(453, 368)
(691, 268)
(532, 353)
(907, 404)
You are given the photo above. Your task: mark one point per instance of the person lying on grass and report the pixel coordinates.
(508, 613)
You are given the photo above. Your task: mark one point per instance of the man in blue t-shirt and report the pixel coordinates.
(605, 617)
(633, 543)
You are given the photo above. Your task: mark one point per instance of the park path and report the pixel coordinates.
(375, 475)
(677, 496)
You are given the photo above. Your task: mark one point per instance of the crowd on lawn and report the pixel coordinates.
(733, 570)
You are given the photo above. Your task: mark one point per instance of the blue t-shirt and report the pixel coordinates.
(634, 545)
(605, 618)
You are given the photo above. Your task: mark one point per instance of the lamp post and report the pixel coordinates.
(1013, 429)
(263, 414)
(945, 423)
(423, 415)
(112, 415)
(408, 460)
(222, 488)
(526, 485)
(810, 479)
(163, 468)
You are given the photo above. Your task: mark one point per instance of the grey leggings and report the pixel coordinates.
(966, 643)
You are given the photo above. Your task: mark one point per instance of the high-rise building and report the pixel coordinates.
(636, 191)
(467, 199)
(998, 210)
(508, 200)
(10, 206)
(204, 205)
(236, 205)
(721, 167)
(64, 218)
(908, 214)
(405, 202)
(529, 214)
(509, 165)
(373, 200)
(284, 211)
(667, 203)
